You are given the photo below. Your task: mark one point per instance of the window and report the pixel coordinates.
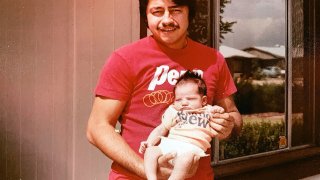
(268, 48)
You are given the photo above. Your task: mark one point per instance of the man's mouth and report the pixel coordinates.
(168, 29)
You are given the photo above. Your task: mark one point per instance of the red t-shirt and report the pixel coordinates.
(143, 74)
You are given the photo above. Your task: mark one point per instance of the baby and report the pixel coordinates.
(184, 129)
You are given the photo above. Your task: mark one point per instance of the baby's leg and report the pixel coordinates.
(182, 166)
(151, 161)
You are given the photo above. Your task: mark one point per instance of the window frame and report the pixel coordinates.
(251, 162)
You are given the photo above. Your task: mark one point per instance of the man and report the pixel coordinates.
(135, 87)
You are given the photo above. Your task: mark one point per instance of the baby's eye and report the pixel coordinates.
(191, 98)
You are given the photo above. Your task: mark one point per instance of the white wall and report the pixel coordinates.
(51, 53)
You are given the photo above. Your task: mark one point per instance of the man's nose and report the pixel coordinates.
(167, 18)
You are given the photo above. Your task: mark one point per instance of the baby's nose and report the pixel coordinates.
(185, 103)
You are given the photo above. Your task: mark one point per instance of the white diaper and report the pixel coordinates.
(171, 145)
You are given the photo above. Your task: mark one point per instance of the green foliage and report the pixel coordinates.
(254, 98)
(200, 29)
(255, 138)
(300, 132)
(225, 26)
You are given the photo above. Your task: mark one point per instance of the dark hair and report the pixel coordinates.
(191, 4)
(191, 76)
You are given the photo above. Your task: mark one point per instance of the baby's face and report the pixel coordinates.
(188, 97)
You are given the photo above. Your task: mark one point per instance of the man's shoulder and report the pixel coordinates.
(135, 45)
(199, 45)
(200, 48)
(131, 50)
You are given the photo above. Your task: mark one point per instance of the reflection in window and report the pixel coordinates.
(200, 28)
(274, 91)
(256, 55)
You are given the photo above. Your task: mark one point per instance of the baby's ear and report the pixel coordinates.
(204, 100)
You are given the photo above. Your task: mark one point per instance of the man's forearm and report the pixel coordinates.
(113, 145)
(237, 122)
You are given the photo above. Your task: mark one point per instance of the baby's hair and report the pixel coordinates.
(191, 76)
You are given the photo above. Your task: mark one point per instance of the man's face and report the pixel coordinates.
(187, 97)
(168, 23)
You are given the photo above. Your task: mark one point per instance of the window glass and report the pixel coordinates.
(200, 29)
(253, 42)
(274, 90)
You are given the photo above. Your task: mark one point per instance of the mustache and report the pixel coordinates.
(170, 25)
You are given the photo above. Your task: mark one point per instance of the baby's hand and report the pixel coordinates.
(143, 147)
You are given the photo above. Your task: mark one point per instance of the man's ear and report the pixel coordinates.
(204, 100)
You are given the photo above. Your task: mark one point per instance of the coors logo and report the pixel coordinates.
(158, 97)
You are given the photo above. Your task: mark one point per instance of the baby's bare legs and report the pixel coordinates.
(182, 165)
(151, 157)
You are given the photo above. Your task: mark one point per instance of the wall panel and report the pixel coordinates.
(51, 53)
(101, 27)
(12, 93)
(28, 97)
(84, 166)
(36, 98)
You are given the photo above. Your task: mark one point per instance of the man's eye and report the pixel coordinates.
(176, 11)
(157, 13)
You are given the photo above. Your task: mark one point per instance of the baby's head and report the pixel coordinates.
(190, 91)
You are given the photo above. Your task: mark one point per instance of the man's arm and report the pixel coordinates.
(230, 121)
(101, 133)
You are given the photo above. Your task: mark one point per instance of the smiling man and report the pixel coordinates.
(136, 83)
(168, 23)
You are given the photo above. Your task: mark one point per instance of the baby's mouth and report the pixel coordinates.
(185, 108)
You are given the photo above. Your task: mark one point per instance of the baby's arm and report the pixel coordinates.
(207, 109)
(214, 109)
(153, 137)
(161, 130)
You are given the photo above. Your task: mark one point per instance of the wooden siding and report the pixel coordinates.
(51, 53)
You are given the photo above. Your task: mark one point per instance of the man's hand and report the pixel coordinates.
(194, 167)
(228, 122)
(165, 166)
(222, 124)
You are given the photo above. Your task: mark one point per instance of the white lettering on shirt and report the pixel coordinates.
(163, 74)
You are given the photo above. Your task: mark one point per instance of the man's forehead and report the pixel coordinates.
(162, 3)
